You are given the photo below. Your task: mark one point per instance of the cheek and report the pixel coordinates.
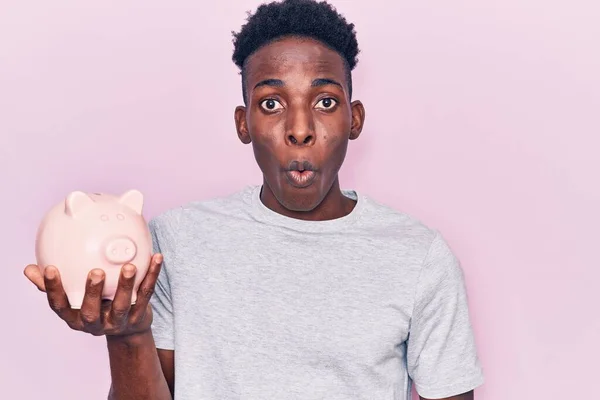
(336, 147)
(266, 142)
(333, 126)
(334, 137)
(265, 133)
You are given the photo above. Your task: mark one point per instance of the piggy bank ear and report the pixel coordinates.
(133, 199)
(77, 201)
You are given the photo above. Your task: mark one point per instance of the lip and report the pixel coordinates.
(300, 174)
(300, 179)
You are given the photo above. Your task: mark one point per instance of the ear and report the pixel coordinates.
(358, 119)
(133, 199)
(241, 125)
(77, 201)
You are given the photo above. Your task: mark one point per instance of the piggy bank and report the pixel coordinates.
(94, 230)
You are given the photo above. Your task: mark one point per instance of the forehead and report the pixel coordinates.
(294, 57)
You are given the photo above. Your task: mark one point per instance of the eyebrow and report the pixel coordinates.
(315, 83)
(270, 82)
(325, 82)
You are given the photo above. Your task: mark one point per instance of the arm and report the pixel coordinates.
(441, 354)
(167, 362)
(162, 305)
(465, 396)
(137, 370)
(134, 362)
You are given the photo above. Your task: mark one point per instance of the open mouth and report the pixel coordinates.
(301, 174)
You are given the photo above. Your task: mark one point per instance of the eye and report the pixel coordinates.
(120, 217)
(327, 103)
(271, 105)
(104, 217)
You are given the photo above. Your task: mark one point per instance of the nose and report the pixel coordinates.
(300, 127)
(120, 250)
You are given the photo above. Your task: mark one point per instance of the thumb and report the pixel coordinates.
(33, 273)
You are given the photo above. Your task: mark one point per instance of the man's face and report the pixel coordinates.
(299, 119)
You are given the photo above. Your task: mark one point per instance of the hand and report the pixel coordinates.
(96, 316)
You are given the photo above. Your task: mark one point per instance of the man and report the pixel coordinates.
(294, 289)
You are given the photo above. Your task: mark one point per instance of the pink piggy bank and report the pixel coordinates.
(95, 230)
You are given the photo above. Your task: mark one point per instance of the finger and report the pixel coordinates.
(122, 302)
(146, 288)
(57, 298)
(92, 301)
(34, 274)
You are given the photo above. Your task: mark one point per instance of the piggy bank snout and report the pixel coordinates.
(120, 250)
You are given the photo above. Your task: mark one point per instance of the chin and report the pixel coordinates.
(301, 206)
(300, 199)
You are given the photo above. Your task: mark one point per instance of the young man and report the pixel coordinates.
(292, 289)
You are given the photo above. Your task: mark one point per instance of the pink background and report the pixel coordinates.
(482, 121)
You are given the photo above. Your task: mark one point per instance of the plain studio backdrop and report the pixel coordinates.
(482, 121)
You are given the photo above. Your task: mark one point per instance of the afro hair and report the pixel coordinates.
(300, 18)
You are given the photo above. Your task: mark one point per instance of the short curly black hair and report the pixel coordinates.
(300, 18)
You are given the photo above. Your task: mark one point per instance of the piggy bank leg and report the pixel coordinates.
(74, 282)
(75, 299)
(111, 282)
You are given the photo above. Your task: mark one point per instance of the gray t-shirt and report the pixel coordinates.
(261, 306)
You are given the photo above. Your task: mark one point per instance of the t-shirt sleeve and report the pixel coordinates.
(161, 301)
(442, 358)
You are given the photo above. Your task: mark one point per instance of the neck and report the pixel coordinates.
(334, 205)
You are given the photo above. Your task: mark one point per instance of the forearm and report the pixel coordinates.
(465, 396)
(135, 369)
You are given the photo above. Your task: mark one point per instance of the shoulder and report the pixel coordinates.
(427, 246)
(198, 213)
(385, 220)
(234, 204)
